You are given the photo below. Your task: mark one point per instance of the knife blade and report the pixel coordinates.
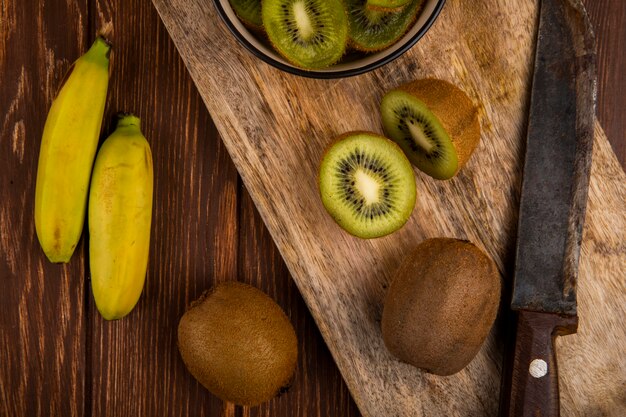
(552, 206)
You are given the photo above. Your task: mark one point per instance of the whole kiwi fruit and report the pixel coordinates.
(435, 123)
(239, 344)
(441, 305)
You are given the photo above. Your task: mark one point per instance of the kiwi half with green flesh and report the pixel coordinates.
(386, 5)
(373, 30)
(367, 184)
(249, 12)
(311, 34)
(239, 344)
(435, 123)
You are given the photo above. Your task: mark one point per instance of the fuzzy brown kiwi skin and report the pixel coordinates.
(441, 305)
(454, 109)
(191, 330)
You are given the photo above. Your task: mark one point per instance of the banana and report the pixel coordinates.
(68, 147)
(119, 217)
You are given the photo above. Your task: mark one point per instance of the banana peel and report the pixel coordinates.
(119, 216)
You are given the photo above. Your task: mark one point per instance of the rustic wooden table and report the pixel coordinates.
(57, 356)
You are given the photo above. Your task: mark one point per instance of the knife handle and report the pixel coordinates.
(531, 386)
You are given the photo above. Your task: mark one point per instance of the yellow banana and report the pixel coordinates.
(68, 147)
(120, 213)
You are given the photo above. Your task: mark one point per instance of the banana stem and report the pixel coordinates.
(128, 120)
(99, 52)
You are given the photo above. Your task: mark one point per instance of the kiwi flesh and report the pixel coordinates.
(249, 12)
(435, 123)
(367, 184)
(386, 5)
(440, 306)
(374, 30)
(238, 343)
(311, 34)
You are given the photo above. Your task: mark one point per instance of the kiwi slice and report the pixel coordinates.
(435, 123)
(386, 5)
(249, 12)
(311, 34)
(367, 184)
(373, 30)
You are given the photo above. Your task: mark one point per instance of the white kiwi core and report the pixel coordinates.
(367, 186)
(303, 20)
(419, 137)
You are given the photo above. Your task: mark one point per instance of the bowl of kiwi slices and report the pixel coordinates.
(328, 38)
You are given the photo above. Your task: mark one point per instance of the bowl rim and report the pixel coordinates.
(334, 74)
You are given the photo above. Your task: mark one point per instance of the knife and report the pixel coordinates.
(552, 207)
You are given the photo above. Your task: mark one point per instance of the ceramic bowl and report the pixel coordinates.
(351, 64)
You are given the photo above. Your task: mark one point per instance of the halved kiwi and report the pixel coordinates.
(249, 12)
(373, 30)
(435, 123)
(386, 5)
(367, 184)
(311, 34)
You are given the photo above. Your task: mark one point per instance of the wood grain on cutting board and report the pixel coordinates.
(276, 126)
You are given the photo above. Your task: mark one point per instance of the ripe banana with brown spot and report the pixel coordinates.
(120, 214)
(68, 146)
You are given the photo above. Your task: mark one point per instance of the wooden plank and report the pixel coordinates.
(318, 389)
(136, 367)
(276, 126)
(42, 316)
(608, 17)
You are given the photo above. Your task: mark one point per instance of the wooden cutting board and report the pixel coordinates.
(276, 126)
